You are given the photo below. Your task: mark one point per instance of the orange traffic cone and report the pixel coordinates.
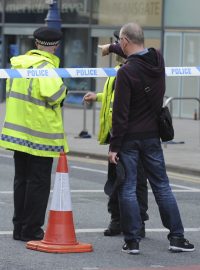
(60, 234)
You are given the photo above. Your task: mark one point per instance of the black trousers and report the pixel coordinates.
(141, 191)
(32, 182)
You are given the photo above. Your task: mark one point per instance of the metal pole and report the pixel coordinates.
(84, 116)
(162, 27)
(3, 53)
(84, 133)
(53, 18)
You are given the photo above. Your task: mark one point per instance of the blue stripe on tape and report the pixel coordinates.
(13, 73)
(62, 72)
(110, 72)
(198, 68)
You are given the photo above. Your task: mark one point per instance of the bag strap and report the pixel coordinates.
(147, 90)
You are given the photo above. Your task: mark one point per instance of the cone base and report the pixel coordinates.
(40, 246)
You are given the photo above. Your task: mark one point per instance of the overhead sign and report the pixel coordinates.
(145, 12)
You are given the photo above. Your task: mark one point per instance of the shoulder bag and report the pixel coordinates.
(165, 125)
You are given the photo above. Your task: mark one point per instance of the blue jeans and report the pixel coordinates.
(151, 155)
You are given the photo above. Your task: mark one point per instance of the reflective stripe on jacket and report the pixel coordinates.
(33, 121)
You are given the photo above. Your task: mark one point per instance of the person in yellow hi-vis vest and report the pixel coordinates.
(33, 129)
(106, 98)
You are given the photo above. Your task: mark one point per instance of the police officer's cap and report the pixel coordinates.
(47, 36)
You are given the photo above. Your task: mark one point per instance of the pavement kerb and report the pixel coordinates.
(169, 167)
(181, 170)
(88, 155)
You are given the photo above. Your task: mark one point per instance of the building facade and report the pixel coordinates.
(173, 26)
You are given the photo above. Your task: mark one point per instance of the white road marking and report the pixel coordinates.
(6, 192)
(147, 230)
(156, 266)
(184, 187)
(176, 176)
(101, 230)
(6, 156)
(172, 175)
(102, 191)
(179, 176)
(185, 191)
(90, 268)
(88, 169)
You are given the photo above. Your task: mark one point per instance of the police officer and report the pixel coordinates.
(33, 129)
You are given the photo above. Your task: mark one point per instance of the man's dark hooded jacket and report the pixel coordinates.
(132, 116)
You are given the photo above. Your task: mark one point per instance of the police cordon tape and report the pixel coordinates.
(87, 72)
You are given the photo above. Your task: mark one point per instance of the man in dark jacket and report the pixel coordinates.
(135, 133)
(115, 173)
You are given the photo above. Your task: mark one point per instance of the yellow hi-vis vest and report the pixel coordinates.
(106, 97)
(33, 121)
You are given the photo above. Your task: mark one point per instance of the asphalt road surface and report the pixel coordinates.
(89, 205)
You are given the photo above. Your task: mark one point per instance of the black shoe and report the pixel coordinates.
(142, 231)
(178, 244)
(131, 248)
(36, 236)
(17, 234)
(113, 228)
(112, 232)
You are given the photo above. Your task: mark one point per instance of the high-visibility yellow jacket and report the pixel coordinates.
(33, 122)
(106, 97)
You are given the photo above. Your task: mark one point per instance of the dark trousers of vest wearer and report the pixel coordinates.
(142, 196)
(32, 182)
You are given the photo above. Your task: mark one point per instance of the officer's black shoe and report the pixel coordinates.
(112, 232)
(113, 229)
(36, 236)
(142, 231)
(17, 232)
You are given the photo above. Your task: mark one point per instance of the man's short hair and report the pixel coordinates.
(133, 32)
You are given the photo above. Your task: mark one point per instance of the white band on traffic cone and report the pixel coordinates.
(61, 199)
